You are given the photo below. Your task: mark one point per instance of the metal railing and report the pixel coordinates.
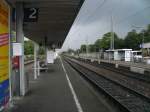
(103, 56)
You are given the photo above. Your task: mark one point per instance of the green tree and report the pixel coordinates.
(71, 51)
(83, 48)
(119, 43)
(133, 40)
(97, 43)
(28, 47)
(41, 51)
(91, 48)
(77, 51)
(104, 43)
(146, 34)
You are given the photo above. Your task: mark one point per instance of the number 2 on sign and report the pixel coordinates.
(33, 14)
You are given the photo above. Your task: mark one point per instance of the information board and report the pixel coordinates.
(50, 57)
(4, 54)
(17, 49)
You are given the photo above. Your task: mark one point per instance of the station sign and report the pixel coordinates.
(31, 14)
(4, 54)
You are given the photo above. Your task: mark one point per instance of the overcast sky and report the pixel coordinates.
(94, 20)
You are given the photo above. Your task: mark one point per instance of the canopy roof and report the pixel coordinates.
(55, 20)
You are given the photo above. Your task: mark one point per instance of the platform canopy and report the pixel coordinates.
(54, 21)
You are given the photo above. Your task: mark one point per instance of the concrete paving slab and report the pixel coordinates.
(49, 93)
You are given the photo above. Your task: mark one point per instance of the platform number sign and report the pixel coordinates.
(31, 14)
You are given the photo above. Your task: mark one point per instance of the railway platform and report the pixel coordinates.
(61, 89)
(141, 68)
(128, 64)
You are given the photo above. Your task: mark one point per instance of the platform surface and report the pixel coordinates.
(51, 93)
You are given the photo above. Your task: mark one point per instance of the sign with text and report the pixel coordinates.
(17, 49)
(4, 54)
(50, 57)
(31, 14)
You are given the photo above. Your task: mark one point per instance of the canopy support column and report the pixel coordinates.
(35, 60)
(20, 39)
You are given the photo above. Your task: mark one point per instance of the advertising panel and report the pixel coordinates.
(50, 57)
(4, 54)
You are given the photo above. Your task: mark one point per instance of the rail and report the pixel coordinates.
(119, 87)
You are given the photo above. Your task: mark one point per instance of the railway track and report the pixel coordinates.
(140, 86)
(122, 71)
(131, 99)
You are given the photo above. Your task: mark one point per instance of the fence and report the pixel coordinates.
(110, 57)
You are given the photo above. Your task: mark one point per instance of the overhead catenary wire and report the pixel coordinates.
(115, 23)
(134, 14)
(120, 21)
(126, 18)
(91, 15)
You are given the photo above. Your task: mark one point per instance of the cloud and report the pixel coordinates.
(94, 19)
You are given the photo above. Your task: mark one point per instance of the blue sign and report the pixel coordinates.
(4, 92)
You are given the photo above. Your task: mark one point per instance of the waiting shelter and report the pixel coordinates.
(118, 54)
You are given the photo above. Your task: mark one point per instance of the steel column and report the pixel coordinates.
(20, 39)
(35, 60)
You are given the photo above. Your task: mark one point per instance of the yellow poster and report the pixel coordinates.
(4, 41)
(4, 54)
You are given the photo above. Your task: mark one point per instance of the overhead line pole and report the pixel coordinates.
(112, 34)
(87, 47)
(142, 45)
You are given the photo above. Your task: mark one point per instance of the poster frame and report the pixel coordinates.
(9, 56)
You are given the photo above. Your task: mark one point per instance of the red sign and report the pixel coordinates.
(16, 62)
